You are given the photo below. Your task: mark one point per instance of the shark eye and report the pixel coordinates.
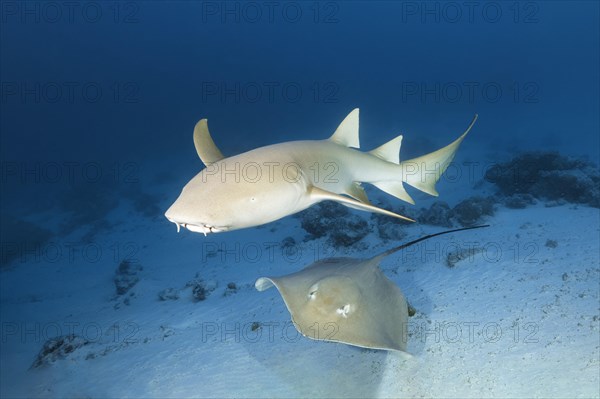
(312, 293)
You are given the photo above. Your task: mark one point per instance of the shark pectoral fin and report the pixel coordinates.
(424, 172)
(390, 151)
(396, 189)
(347, 132)
(205, 146)
(356, 191)
(318, 194)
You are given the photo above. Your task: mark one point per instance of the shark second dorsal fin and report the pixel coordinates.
(205, 146)
(390, 151)
(347, 132)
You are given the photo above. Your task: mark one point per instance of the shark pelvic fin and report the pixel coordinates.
(396, 189)
(356, 191)
(389, 151)
(318, 195)
(424, 172)
(347, 132)
(205, 146)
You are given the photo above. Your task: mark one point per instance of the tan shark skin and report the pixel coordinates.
(271, 182)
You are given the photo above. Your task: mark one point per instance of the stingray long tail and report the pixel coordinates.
(408, 244)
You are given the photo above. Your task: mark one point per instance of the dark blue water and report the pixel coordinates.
(108, 93)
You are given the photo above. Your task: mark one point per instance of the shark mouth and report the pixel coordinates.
(203, 228)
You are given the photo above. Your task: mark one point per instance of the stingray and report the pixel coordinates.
(348, 300)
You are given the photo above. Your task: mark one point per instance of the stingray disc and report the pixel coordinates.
(345, 300)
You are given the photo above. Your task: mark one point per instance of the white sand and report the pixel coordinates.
(519, 319)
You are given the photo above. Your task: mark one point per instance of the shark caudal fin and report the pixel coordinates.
(424, 172)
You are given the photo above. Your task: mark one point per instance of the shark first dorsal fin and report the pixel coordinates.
(205, 146)
(390, 151)
(318, 194)
(347, 132)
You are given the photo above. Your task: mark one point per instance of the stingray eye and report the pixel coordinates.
(344, 310)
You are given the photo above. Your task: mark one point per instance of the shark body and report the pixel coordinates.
(271, 182)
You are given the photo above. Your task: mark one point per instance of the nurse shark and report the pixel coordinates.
(271, 182)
